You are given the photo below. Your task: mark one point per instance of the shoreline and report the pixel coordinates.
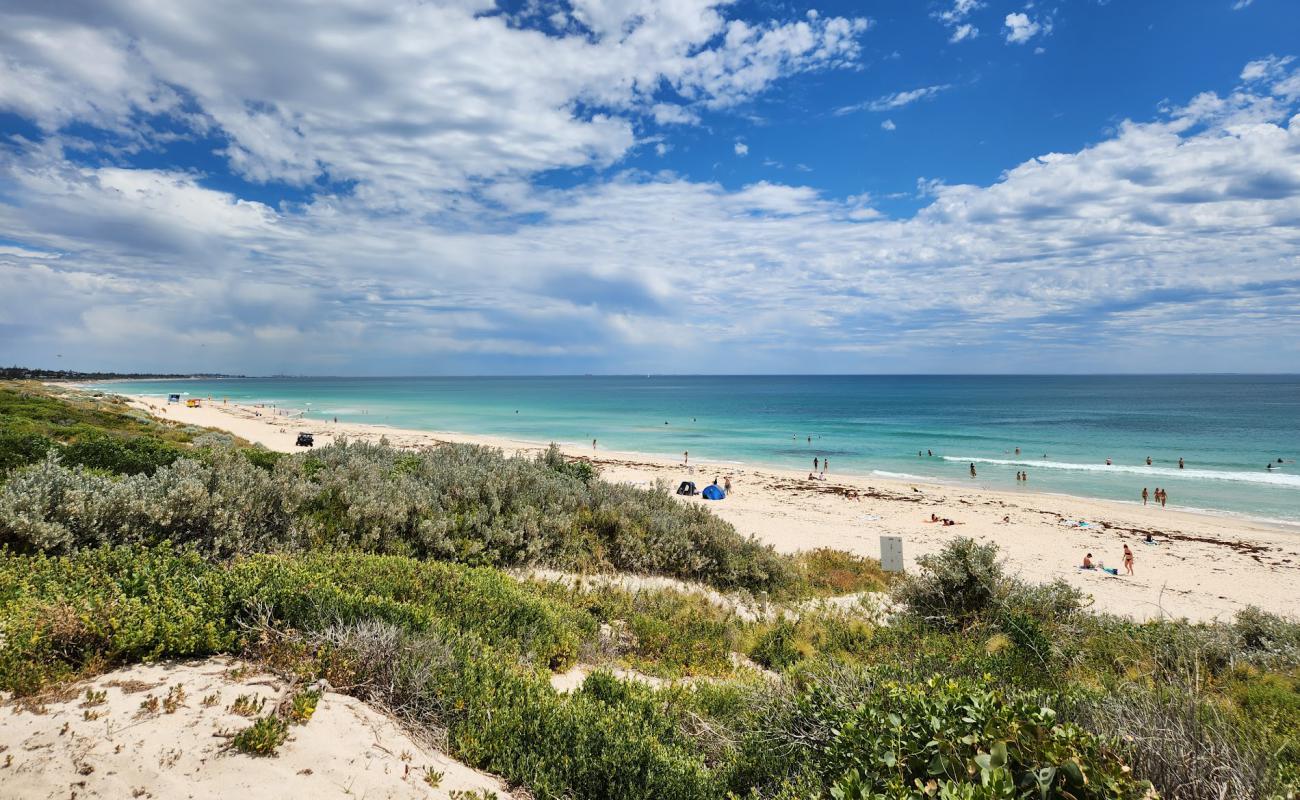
(1206, 564)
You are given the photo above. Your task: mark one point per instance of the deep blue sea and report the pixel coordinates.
(1225, 427)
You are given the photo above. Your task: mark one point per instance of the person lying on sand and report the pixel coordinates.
(949, 522)
(933, 518)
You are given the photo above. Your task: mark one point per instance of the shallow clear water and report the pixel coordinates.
(1226, 427)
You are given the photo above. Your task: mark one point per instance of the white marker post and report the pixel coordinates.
(891, 553)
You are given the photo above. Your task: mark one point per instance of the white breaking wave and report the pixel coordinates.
(902, 476)
(1262, 477)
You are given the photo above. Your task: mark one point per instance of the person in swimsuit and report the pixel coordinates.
(1128, 560)
(1144, 495)
(972, 469)
(1087, 561)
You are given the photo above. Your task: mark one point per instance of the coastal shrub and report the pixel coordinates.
(123, 456)
(455, 502)
(61, 616)
(872, 738)
(830, 572)
(952, 587)
(18, 449)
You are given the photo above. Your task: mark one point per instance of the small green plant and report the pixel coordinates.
(471, 794)
(247, 705)
(175, 699)
(263, 737)
(432, 777)
(210, 700)
(90, 716)
(94, 698)
(149, 705)
(303, 706)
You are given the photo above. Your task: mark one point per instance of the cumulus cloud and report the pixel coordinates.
(955, 17)
(1177, 234)
(1240, 4)
(408, 103)
(888, 125)
(741, 149)
(1020, 28)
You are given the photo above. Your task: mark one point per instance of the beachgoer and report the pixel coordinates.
(1164, 498)
(815, 463)
(686, 457)
(1144, 495)
(826, 464)
(972, 469)
(934, 517)
(930, 453)
(1024, 476)
(1128, 560)
(1148, 461)
(593, 444)
(715, 480)
(1180, 463)
(726, 484)
(1149, 540)
(1269, 466)
(1017, 451)
(1006, 518)
(1087, 561)
(1108, 462)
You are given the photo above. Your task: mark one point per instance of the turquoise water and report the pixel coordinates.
(1226, 427)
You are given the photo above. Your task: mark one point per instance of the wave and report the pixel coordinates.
(902, 476)
(1266, 478)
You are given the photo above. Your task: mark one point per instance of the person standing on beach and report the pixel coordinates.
(1144, 495)
(1164, 498)
(826, 464)
(815, 463)
(686, 458)
(593, 444)
(1128, 560)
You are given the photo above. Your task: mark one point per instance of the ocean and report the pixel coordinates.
(1227, 428)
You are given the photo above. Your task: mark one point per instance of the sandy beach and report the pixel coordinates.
(1202, 567)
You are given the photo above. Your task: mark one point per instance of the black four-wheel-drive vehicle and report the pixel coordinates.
(305, 440)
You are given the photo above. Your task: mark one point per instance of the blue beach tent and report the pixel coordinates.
(712, 492)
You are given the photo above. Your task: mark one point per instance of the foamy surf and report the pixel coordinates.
(1262, 477)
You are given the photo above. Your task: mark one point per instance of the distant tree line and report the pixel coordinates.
(17, 373)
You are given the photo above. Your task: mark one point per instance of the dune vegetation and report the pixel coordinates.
(401, 578)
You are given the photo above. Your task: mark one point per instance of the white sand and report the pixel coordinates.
(1205, 566)
(346, 750)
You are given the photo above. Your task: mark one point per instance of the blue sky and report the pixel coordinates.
(469, 187)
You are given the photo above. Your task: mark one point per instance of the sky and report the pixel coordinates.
(361, 187)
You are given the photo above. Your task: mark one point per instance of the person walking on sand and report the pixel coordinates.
(686, 457)
(1144, 495)
(1128, 560)
(593, 444)
(1164, 498)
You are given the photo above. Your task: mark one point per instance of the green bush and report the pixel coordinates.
(955, 585)
(956, 736)
(456, 502)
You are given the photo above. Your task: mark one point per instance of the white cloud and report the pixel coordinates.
(1177, 235)
(1270, 68)
(741, 149)
(888, 125)
(1240, 4)
(963, 32)
(1021, 28)
(411, 102)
